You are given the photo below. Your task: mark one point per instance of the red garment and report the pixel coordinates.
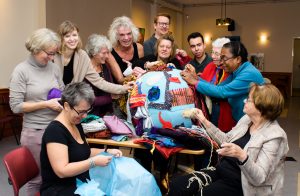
(166, 152)
(225, 120)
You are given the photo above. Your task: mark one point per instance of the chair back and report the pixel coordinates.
(21, 167)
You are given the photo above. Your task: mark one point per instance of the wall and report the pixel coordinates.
(18, 19)
(92, 16)
(141, 16)
(143, 13)
(279, 20)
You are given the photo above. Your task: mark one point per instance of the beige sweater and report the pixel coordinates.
(83, 69)
(263, 172)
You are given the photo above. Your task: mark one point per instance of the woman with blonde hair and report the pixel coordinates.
(123, 35)
(75, 63)
(30, 83)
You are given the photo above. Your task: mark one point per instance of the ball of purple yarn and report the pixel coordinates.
(54, 93)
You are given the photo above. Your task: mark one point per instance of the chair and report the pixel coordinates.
(21, 167)
(8, 117)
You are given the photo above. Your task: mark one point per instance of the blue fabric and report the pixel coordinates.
(235, 87)
(153, 93)
(164, 102)
(119, 138)
(125, 176)
(90, 188)
(164, 140)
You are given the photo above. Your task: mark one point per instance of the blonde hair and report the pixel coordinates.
(118, 22)
(268, 100)
(42, 39)
(65, 28)
(95, 43)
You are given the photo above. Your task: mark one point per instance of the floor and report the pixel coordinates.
(289, 120)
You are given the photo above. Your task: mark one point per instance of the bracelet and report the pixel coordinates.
(92, 163)
(243, 163)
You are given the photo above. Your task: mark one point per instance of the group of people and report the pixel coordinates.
(242, 109)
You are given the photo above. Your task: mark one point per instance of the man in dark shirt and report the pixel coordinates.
(197, 46)
(161, 27)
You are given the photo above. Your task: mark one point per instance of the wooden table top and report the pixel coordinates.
(130, 144)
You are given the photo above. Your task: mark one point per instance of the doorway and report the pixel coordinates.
(296, 68)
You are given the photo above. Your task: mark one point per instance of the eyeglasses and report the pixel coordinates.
(215, 53)
(224, 58)
(81, 113)
(49, 54)
(248, 100)
(161, 24)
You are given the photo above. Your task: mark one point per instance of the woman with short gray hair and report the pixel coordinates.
(65, 154)
(30, 83)
(98, 48)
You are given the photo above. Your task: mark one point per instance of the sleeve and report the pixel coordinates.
(102, 100)
(93, 77)
(177, 63)
(17, 90)
(56, 133)
(220, 137)
(140, 62)
(257, 171)
(148, 50)
(59, 76)
(236, 87)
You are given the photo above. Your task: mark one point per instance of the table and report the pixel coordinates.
(130, 144)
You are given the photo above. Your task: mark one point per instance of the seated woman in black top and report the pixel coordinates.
(65, 154)
(98, 48)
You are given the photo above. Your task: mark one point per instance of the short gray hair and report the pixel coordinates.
(218, 43)
(42, 39)
(75, 92)
(95, 43)
(118, 22)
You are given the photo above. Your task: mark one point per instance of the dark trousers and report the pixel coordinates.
(218, 186)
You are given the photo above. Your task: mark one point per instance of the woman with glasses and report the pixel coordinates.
(66, 155)
(252, 154)
(30, 83)
(220, 110)
(235, 87)
(75, 63)
(98, 48)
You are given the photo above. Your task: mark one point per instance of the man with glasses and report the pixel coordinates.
(197, 46)
(161, 26)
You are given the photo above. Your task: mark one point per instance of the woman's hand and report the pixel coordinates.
(181, 52)
(189, 75)
(53, 104)
(129, 85)
(138, 72)
(128, 71)
(115, 152)
(200, 116)
(232, 150)
(101, 160)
